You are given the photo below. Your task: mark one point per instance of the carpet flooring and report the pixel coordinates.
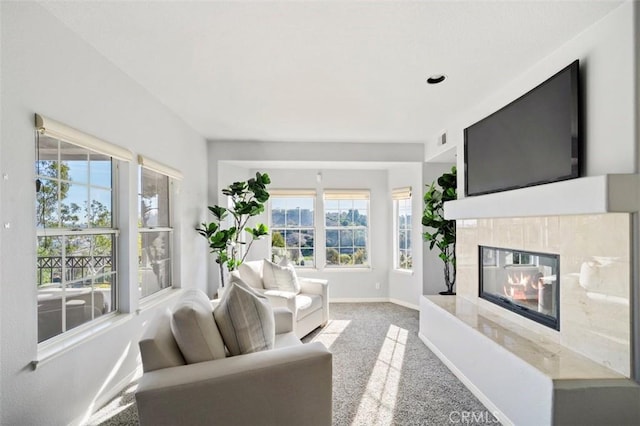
(383, 374)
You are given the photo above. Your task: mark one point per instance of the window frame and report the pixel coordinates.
(351, 195)
(61, 134)
(300, 194)
(399, 198)
(169, 229)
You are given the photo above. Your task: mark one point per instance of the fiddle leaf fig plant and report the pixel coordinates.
(443, 233)
(248, 199)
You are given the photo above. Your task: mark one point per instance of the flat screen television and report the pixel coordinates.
(531, 141)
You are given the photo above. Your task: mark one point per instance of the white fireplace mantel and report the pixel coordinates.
(614, 193)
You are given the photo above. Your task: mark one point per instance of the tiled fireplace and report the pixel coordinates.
(594, 278)
(574, 268)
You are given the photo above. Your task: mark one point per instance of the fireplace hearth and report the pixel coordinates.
(523, 282)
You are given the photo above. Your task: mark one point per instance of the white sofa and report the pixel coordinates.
(310, 306)
(290, 384)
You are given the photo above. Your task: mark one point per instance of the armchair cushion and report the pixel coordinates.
(245, 320)
(195, 330)
(280, 277)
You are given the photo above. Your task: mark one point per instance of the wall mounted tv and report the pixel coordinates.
(533, 140)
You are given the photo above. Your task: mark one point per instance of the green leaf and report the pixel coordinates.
(259, 231)
(219, 212)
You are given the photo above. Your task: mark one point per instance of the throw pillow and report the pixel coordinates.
(280, 277)
(245, 320)
(195, 330)
(251, 273)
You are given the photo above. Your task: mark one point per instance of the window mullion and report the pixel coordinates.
(63, 279)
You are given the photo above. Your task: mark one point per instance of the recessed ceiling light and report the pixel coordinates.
(436, 78)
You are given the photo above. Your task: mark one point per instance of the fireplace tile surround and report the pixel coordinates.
(595, 278)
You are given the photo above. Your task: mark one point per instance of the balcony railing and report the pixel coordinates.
(75, 267)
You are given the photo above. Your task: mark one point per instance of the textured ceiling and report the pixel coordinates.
(324, 70)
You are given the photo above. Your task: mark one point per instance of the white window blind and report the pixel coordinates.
(292, 193)
(346, 194)
(54, 129)
(401, 193)
(157, 167)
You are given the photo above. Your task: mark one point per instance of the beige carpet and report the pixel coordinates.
(383, 374)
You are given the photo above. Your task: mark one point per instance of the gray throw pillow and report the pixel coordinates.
(245, 320)
(195, 330)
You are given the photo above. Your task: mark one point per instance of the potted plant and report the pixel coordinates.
(247, 200)
(444, 235)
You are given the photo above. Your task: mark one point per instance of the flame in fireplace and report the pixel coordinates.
(523, 280)
(522, 285)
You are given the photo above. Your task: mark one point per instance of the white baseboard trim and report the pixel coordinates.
(359, 300)
(375, 300)
(468, 383)
(405, 304)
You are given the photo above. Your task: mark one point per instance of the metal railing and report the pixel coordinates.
(75, 267)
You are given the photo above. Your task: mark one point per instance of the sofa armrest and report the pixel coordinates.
(317, 286)
(313, 285)
(284, 320)
(276, 387)
(281, 299)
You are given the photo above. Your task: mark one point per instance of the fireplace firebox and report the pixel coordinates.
(526, 283)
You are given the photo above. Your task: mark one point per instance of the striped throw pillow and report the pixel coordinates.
(245, 321)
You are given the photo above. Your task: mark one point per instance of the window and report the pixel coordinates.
(402, 210)
(155, 232)
(346, 228)
(75, 226)
(293, 226)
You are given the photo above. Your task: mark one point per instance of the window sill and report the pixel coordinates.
(158, 298)
(64, 342)
(345, 269)
(408, 272)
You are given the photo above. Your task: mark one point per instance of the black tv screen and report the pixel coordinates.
(531, 141)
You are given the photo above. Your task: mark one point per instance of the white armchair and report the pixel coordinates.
(310, 306)
(290, 384)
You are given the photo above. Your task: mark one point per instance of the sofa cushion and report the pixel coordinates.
(245, 320)
(285, 340)
(195, 329)
(251, 273)
(307, 304)
(158, 347)
(280, 277)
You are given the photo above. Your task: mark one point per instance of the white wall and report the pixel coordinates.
(373, 161)
(48, 70)
(609, 78)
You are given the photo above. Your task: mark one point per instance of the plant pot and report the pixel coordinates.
(447, 293)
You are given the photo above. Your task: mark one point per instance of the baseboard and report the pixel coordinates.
(375, 300)
(468, 383)
(405, 304)
(359, 300)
